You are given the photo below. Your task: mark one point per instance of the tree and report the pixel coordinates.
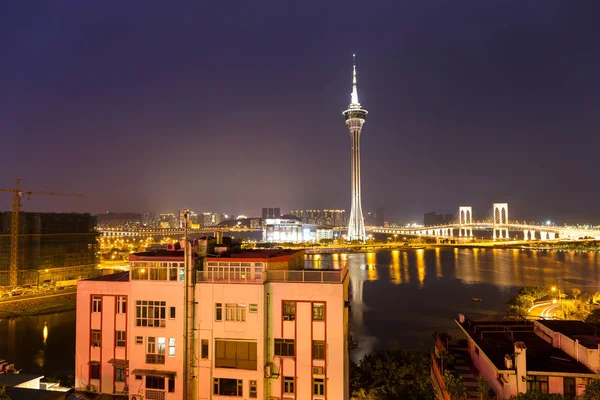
(592, 390)
(483, 388)
(575, 292)
(446, 356)
(455, 386)
(3, 394)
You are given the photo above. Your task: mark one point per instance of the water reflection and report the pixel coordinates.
(395, 268)
(421, 267)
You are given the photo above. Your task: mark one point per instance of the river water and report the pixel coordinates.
(398, 298)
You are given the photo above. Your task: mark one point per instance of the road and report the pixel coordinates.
(545, 310)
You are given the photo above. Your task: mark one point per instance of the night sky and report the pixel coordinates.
(231, 106)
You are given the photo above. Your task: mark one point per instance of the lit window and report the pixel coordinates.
(235, 312)
(288, 384)
(155, 350)
(96, 304)
(289, 310)
(318, 311)
(253, 308)
(171, 347)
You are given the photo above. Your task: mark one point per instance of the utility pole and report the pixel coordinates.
(189, 367)
(14, 232)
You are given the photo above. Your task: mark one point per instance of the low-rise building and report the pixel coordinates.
(517, 356)
(266, 327)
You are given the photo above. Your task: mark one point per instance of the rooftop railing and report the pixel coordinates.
(303, 275)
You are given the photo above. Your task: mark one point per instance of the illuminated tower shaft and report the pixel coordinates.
(355, 118)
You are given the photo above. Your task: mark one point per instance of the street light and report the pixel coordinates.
(554, 289)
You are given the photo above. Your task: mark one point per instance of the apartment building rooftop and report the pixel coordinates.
(116, 277)
(586, 333)
(497, 339)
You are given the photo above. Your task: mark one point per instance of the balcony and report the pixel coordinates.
(308, 275)
(155, 358)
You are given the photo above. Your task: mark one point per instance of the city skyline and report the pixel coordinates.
(476, 103)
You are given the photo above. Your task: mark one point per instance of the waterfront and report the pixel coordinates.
(398, 298)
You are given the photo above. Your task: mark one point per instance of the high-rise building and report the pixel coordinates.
(321, 217)
(266, 328)
(149, 220)
(355, 118)
(271, 212)
(52, 246)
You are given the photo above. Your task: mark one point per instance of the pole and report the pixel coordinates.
(14, 235)
(189, 386)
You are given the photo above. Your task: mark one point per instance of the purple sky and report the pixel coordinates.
(232, 106)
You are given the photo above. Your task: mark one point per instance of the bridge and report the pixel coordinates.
(499, 223)
(176, 232)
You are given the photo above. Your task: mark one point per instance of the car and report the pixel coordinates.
(17, 291)
(29, 289)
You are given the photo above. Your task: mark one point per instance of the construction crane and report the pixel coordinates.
(14, 232)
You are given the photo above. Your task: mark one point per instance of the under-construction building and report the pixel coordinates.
(52, 247)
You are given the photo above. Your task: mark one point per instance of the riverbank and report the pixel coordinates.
(38, 305)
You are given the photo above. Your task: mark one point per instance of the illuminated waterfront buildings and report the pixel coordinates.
(266, 327)
(321, 217)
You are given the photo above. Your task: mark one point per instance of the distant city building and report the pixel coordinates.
(321, 217)
(250, 306)
(149, 220)
(292, 230)
(271, 212)
(119, 220)
(168, 220)
(211, 219)
(52, 247)
(433, 218)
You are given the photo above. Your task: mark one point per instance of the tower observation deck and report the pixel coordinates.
(355, 118)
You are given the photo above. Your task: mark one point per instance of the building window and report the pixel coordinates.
(96, 304)
(120, 374)
(219, 311)
(150, 313)
(235, 312)
(228, 387)
(318, 311)
(204, 348)
(318, 350)
(171, 347)
(138, 377)
(235, 354)
(537, 383)
(139, 340)
(284, 347)
(172, 312)
(253, 392)
(289, 310)
(121, 305)
(155, 382)
(95, 371)
(121, 339)
(96, 338)
(288, 384)
(253, 308)
(155, 350)
(319, 386)
(171, 385)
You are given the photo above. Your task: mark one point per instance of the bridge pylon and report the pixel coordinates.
(465, 217)
(500, 218)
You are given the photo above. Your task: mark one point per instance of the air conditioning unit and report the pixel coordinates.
(136, 396)
(508, 362)
(461, 318)
(318, 371)
(91, 388)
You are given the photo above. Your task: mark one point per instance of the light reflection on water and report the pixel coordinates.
(400, 297)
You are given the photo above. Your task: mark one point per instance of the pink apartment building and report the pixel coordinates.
(266, 328)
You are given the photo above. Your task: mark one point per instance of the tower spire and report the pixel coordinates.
(354, 98)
